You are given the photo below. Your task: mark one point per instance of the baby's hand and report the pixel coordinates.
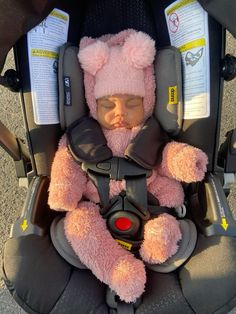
(184, 162)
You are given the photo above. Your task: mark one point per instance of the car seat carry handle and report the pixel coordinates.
(18, 17)
(227, 153)
(17, 150)
(222, 11)
(13, 146)
(169, 98)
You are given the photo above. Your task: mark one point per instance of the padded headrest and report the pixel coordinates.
(72, 105)
(169, 92)
(169, 101)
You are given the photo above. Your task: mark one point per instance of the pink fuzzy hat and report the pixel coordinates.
(118, 64)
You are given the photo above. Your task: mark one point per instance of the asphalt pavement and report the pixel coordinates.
(12, 197)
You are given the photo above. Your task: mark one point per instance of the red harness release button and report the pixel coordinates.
(123, 223)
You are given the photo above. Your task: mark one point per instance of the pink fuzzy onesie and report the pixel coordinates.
(130, 56)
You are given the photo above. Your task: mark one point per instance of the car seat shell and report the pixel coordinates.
(31, 259)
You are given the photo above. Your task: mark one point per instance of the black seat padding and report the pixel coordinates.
(42, 282)
(208, 279)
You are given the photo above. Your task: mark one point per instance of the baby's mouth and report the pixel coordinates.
(120, 123)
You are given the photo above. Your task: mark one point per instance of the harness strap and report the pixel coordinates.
(136, 193)
(102, 184)
(156, 210)
(118, 169)
(125, 308)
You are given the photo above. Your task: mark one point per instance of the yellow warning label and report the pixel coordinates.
(125, 245)
(59, 15)
(224, 224)
(172, 95)
(24, 225)
(193, 44)
(44, 53)
(179, 5)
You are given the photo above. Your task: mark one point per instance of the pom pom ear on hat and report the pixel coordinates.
(139, 50)
(93, 57)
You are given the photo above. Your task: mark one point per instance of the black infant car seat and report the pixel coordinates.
(40, 280)
(127, 212)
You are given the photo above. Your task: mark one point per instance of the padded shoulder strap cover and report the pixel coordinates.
(87, 143)
(169, 99)
(146, 148)
(72, 104)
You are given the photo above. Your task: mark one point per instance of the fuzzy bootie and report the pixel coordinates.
(87, 233)
(161, 236)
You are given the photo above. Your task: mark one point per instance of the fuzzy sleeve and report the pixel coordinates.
(183, 162)
(68, 181)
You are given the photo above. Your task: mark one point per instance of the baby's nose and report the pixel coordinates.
(120, 108)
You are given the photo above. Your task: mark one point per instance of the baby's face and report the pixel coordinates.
(120, 111)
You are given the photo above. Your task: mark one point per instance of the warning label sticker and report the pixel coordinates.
(188, 30)
(125, 245)
(43, 44)
(173, 22)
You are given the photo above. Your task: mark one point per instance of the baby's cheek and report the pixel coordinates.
(136, 117)
(108, 116)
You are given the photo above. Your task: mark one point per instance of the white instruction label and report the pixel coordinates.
(43, 44)
(188, 30)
